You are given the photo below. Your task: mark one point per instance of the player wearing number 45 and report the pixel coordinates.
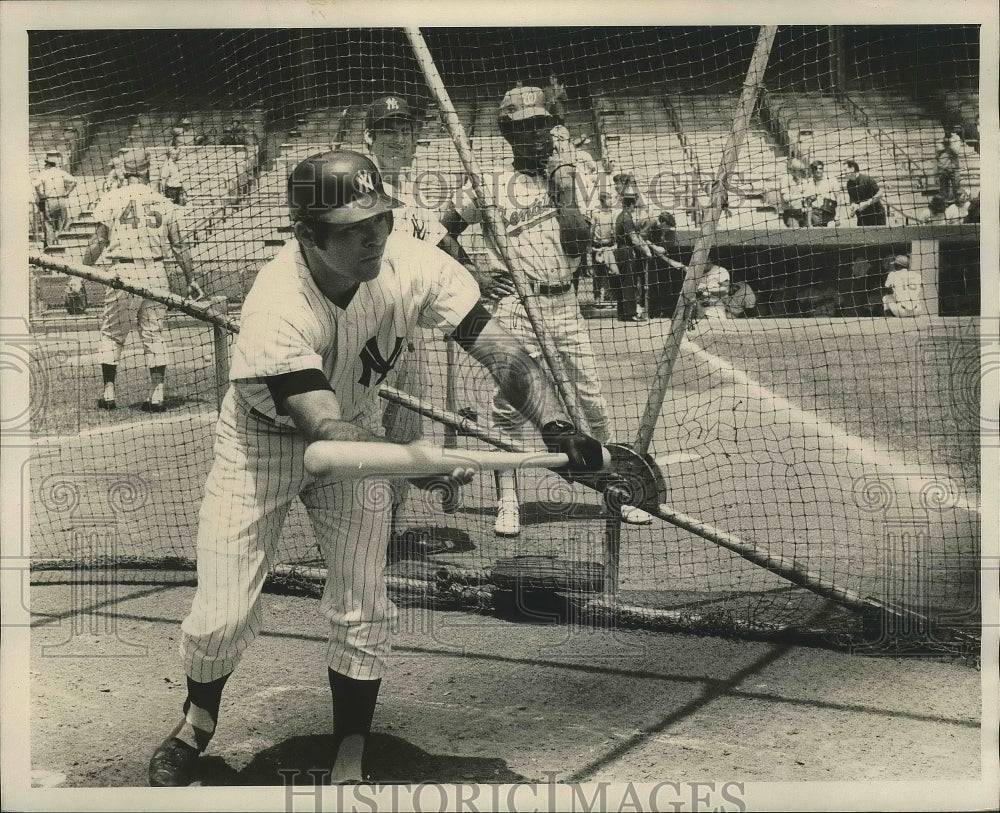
(135, 224)
(321, 328)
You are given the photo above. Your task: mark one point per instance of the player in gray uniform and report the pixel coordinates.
(321, 328)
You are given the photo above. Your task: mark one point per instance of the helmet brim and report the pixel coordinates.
(357, 210)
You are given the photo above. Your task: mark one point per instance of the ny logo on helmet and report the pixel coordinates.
(363, 181)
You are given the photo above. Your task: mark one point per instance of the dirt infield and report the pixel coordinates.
(477, 699)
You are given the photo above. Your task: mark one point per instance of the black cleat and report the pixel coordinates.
(151, 407)
(102, 404)
(173, 764)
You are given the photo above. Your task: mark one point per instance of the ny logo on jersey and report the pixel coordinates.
(372, 361)
(363, 181)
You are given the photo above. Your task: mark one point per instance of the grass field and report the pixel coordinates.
(849, 446)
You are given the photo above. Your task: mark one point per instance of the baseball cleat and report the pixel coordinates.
(105, 404)
(173, 764)
(149, 406)
(635, 516)
(508, 521)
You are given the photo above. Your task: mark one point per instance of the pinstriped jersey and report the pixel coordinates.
(288, 325)
(420, 221)
(137, 219)
(529, 219)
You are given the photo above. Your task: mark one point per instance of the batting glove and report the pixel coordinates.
(586, 454)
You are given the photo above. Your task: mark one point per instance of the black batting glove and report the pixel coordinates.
(586, 454)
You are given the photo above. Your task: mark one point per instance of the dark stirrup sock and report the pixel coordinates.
(201, 712)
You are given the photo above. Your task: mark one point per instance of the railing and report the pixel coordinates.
(691, 190)
(916, 173)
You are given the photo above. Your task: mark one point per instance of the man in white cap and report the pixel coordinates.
(136, 224)
(53, 186)
(906, 289)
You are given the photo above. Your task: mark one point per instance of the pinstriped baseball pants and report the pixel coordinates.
(257, 472)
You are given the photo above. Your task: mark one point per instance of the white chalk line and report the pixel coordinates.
(196, 418)
(866, 451)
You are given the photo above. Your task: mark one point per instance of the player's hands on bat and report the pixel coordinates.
(586, 454)
(194, 292)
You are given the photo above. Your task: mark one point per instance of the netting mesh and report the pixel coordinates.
(831, 420)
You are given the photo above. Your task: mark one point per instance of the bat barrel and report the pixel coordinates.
(349, 459)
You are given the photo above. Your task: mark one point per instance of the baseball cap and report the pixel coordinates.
(135, 162)
(388, 107)
(901, 261)
(53, 157)
(340, 186)
(523, 103)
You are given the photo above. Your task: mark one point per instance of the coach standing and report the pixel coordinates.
(321, 328)
(135, 224)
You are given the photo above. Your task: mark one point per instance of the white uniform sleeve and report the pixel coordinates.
(452, 292)
(273, 343)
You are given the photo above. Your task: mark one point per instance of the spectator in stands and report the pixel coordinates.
(865, 196)
(183, 134)
(949, 170)
(171, 184)
(602, 246)
(790, 194)
(973, 215)
(935, 210)
(631, 252)
(556, 98)
(52, 188)
(958, 211)
(820, 199)
(584, 159)
(905, 295)
(116, 175)
(235, 134)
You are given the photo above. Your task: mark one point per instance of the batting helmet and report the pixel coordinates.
(135, 162)
(341, 186)
(388, 107)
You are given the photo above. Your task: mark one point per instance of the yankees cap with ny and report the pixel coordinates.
(340, 186)
(388, 107)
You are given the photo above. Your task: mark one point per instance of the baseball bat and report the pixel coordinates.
(349, 459)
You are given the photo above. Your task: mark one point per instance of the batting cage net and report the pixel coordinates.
(777, 307)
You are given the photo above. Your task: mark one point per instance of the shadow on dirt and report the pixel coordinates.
(304, 760)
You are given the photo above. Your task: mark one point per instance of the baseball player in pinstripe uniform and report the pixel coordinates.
(321, 328)
(135, 224)
(546, 236)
